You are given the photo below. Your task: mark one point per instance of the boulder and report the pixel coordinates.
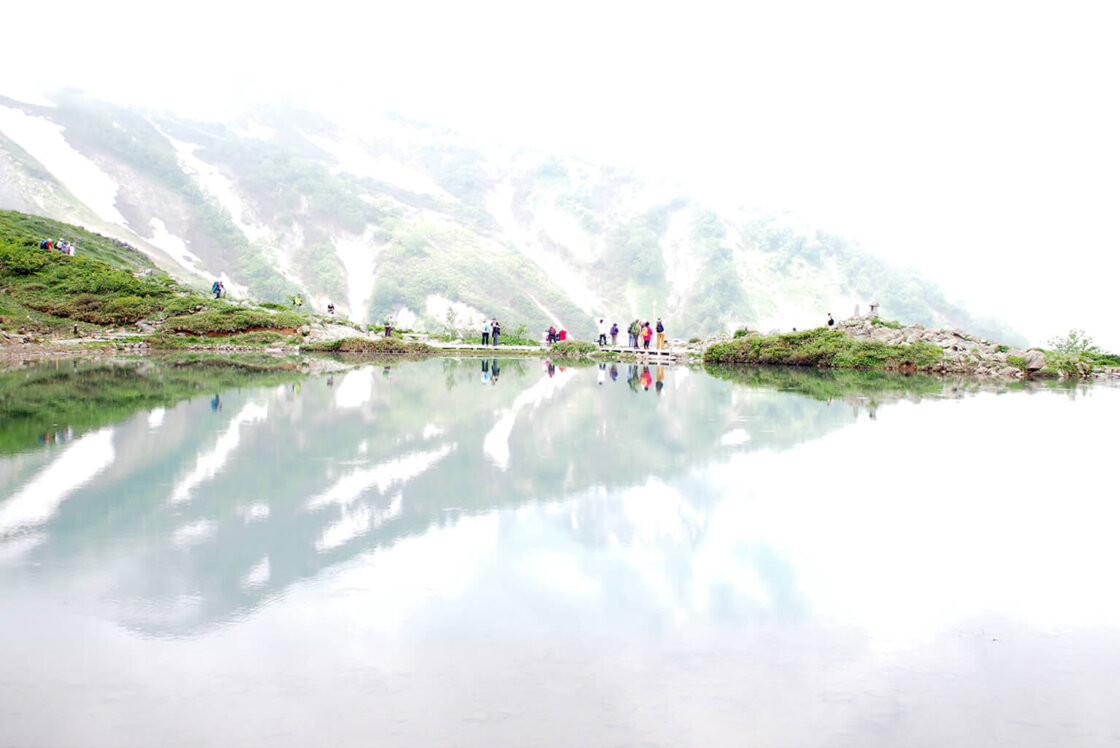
(1035, 361)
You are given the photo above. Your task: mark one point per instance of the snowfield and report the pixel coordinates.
(45, 142)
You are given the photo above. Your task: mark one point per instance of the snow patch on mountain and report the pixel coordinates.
(499, 204)
(547, 312)
(682, 263)
(213, 182)
(45, 142)
(175, 247)
(357, 256)
(467, 318)
(564, 229)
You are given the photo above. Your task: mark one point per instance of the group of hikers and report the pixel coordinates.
(639, 334)
(62, 245)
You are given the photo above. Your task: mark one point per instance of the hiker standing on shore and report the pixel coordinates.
(660, 335)
(495, 331)
(602, 332)
(635, 333)
(614, 334)
(486, 332)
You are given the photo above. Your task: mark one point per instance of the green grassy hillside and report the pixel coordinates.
(105, 283)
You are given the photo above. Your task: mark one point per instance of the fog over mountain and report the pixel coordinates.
(423, 224)
(756, 165)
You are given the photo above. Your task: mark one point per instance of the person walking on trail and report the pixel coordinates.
(614, 334)
(660, 335)
(216, 289)
(495, 331)
(602, 332)
(486, 332)
(647, 333)
(831, 321)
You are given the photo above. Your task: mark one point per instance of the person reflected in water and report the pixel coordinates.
(632, 377)
(330, 381)
(495, 370)
(660, 380)
(486, 370)
(646, 378)
(216, 403)
(601, 376)
(387, 372)
(551, 368)
(614, 373)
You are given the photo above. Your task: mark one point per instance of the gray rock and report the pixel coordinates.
(1035, 361)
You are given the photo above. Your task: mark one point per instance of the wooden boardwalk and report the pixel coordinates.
(666, 355)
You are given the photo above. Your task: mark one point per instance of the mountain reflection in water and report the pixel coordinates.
(619, 500)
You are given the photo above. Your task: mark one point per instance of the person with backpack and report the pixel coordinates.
(486, 332)
(660, 335)
(495, 331)
(647, 333)
(635, 333)
(216, 289)
(602, 332)
(831, 321)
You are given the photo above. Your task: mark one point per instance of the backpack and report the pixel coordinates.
(660, 327)
(614, 329)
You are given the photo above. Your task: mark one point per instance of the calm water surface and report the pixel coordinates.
(458, 553)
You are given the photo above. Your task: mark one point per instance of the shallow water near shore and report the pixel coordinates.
(513, 552)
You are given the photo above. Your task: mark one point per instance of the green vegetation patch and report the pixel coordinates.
(229, 320)
(822, 348)
(391, 346)
(573, 349)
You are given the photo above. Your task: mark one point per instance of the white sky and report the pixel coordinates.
(976, 141)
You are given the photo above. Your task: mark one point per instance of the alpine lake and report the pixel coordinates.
(247, 551)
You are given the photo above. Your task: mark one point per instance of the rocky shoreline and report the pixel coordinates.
(962, 354)
(965, 354)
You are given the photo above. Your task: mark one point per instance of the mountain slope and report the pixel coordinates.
(413, 221)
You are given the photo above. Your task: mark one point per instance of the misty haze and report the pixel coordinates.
(598, 374)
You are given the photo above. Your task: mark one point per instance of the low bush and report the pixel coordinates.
(573, 348)
(391, 346)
